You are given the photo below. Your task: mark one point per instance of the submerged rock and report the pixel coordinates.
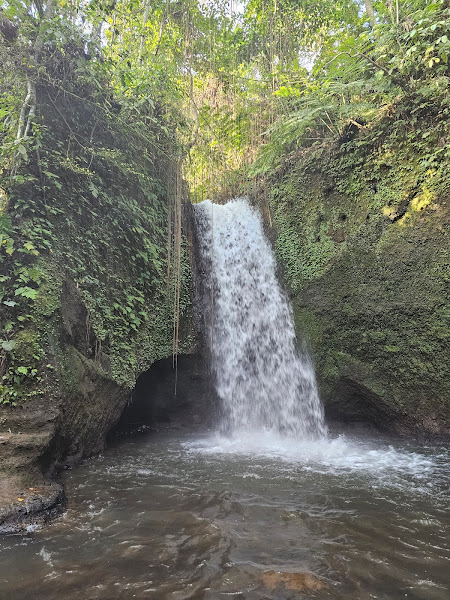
(291, 581)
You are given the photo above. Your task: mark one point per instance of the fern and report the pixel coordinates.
(319, 115)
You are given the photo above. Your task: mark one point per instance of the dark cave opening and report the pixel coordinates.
(169, 398)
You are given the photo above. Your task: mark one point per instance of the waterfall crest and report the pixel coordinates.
(263, 383)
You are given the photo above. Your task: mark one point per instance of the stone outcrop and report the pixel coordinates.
(363, 243)
(98, 310)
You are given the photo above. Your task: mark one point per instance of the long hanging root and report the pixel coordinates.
(177, 256)
(212, 276)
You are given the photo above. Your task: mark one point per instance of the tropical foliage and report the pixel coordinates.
(223, 77)
(232, 90)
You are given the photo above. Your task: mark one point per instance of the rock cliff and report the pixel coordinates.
(363, 242)
(88, 288)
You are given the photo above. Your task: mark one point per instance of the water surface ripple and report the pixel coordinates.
(177, 517)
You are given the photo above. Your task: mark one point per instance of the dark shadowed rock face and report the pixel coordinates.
(50, 434)
(169, 397)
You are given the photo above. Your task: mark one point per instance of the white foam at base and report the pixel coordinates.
(339, 454)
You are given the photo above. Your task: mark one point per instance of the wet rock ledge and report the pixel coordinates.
(49, 441)
(26, 499)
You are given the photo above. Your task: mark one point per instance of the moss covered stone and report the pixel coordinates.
(88, 252)
(364, 245)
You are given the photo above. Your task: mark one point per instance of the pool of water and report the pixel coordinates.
(170, 516)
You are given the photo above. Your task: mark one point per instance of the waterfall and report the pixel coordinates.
(263, 383)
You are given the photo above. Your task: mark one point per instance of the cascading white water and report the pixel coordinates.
(263, 383)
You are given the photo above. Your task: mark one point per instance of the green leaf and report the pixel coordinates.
(26, 292)
(22, 370)
(8, 345)
(93, 189)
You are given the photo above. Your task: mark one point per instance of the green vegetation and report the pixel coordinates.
(388, 79)
(223, 80)
(334, 117)
(92, 226)
(87, 187)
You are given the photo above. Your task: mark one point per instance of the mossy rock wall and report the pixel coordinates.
(363, 243)
(92, 208)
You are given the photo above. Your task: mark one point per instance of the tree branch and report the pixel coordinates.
(161, 26)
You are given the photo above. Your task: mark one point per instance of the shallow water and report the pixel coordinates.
(177, 516)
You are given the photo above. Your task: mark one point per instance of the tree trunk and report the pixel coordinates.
(28, 110)
(370, 12)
